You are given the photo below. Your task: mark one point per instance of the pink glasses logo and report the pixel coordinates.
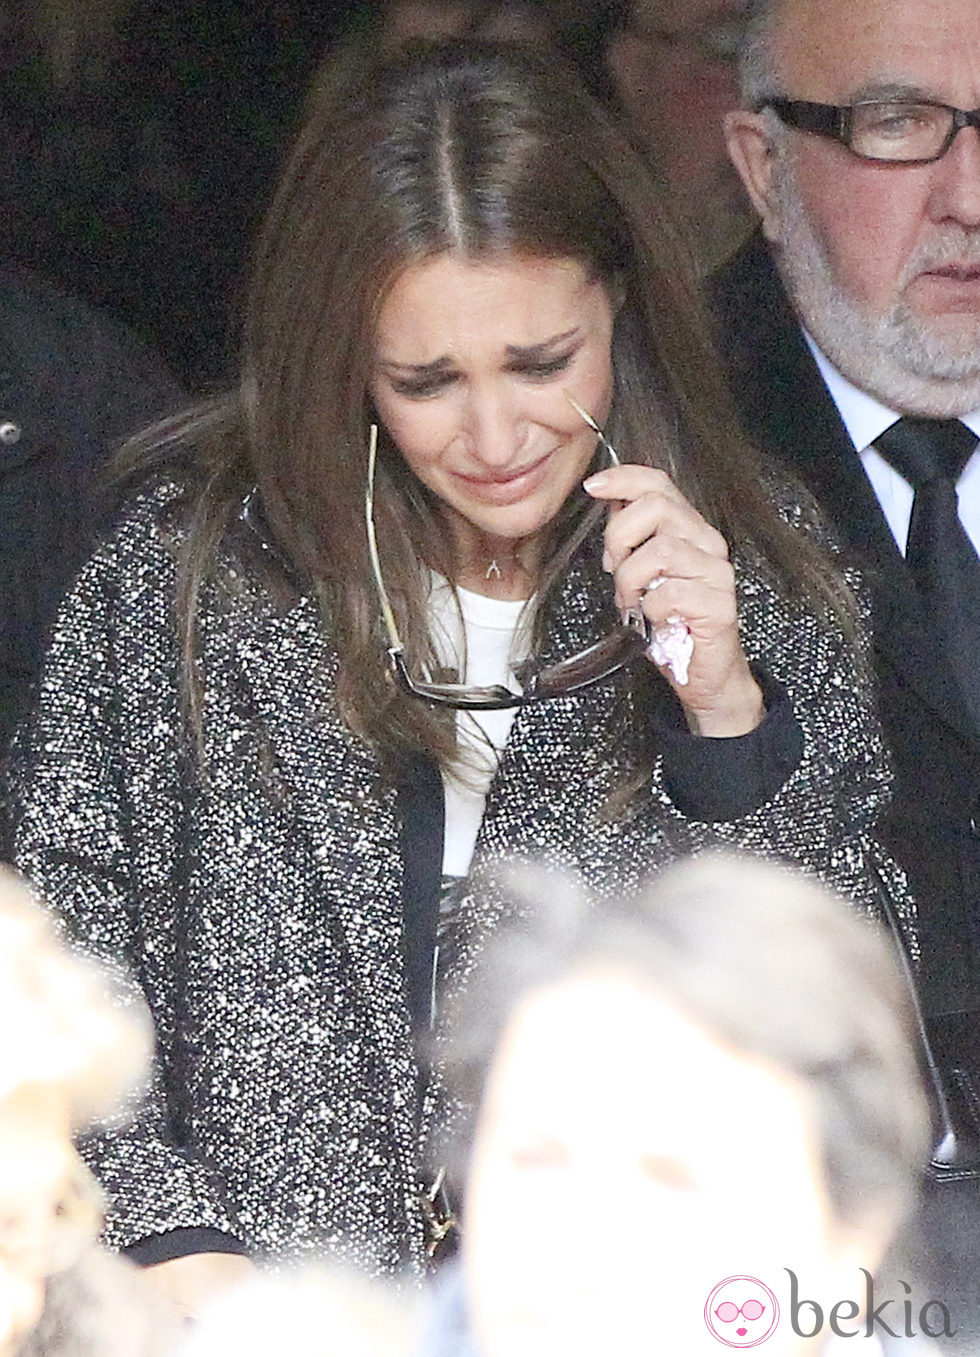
(741, 1312)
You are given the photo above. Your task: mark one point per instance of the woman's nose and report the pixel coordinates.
(494, 429)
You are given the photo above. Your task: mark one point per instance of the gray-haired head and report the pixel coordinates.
(756, 64)
(765, 960)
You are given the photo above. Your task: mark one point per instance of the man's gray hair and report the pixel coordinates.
(756, 67)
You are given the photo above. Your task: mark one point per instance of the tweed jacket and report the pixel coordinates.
(254, 894)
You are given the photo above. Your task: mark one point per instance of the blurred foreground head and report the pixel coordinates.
(317, 1311)
(68, 1057)
(715, 1081)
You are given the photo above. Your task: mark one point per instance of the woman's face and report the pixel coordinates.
(472, 361)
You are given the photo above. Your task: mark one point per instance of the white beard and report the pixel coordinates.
(907, 362)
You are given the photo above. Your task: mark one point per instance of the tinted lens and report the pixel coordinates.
(580, 671)
(592, 665)
(493, 698)
(899, 131)
(753, 1309)
(727, 1312)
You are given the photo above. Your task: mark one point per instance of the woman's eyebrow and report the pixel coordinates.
(422, 369)
(519, 352)
(532, 351)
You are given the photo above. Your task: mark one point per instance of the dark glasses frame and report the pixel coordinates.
(836, 121)
(597, 662)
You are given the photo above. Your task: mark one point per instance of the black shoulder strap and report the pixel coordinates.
(421, 827)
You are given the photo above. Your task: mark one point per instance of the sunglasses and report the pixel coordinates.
(728, 1311)
(597, 662)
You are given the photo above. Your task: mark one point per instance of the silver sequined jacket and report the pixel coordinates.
(255, 896)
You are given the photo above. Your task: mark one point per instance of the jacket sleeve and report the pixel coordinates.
(96, 804)
(825, 814)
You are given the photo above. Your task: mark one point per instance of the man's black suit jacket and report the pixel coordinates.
(73, 383)
(934, 827)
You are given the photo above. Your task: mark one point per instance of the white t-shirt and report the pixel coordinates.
(493, 638)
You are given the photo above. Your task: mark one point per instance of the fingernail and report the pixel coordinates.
(607, 563)
(595, 482)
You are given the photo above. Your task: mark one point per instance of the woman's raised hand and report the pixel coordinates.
(654, 534)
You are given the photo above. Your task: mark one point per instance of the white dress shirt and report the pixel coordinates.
(867, 419)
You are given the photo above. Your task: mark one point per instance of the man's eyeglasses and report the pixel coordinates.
(589, 666)
(896, 131)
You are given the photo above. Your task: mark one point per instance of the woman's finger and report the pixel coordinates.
(647, 504)
(709, 611)
(629, 482)
(670, 559)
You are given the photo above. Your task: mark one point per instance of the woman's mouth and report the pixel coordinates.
(507, 486)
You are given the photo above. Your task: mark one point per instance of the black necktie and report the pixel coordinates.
(931, 454)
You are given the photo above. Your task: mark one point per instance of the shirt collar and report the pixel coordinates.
(864, 417)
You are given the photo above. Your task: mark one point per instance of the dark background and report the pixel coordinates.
(141, 138)
(137, 162)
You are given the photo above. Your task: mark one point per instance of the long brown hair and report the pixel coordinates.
(484, 151)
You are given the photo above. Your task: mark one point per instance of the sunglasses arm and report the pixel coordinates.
(395, 647)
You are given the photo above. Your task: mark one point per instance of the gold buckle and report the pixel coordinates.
(440, 1219)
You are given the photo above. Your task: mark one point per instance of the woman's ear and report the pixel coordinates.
(751, 151)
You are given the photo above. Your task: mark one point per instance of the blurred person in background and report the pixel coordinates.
(690, 1094)
(140, 141)
(577, 31)
(74, 382)
(73, 385)
(673, 65)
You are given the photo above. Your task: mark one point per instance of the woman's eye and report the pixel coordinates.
(545, 369)
(417, 388)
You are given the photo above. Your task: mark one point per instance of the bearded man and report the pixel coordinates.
(851, 323)
(856, 304)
